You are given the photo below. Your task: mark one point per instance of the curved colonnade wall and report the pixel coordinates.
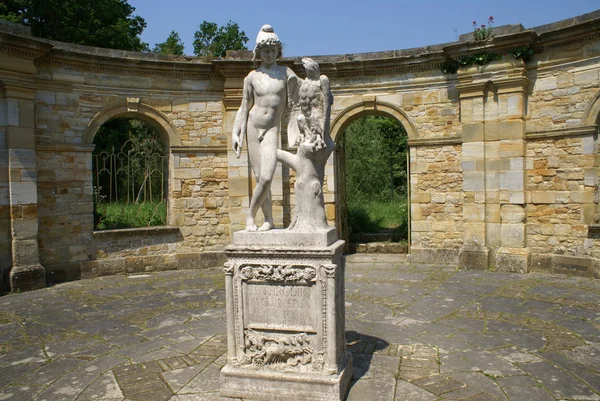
(503, 156)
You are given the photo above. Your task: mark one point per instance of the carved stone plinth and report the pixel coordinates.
(285, 318)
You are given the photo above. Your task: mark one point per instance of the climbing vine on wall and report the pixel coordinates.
(452, 65)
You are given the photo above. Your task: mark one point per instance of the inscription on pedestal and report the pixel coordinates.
(281, 306)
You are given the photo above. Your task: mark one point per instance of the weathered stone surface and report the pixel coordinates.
(289, 311)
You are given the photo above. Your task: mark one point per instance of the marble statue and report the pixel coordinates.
(267, 92)
(259, 118)
(284, 288)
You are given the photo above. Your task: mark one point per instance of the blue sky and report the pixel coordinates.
(337, 27)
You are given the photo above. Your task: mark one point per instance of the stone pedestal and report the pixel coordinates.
(285, 317)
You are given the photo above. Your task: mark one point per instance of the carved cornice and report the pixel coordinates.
(583, 32)
(283, 252)
(389, 66)
(497, 44)
(454, 140)
(234, 68)
(198, 149)
(562, 132)
(23, 47)
(103, 63)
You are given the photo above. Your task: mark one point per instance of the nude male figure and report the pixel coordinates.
(259, 118)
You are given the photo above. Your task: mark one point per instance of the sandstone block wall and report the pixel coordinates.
(503, 157)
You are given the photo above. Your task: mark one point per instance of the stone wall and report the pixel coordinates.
(200, 201)
(503, 157)
(562, 181)
(437, 198)
(65, 205)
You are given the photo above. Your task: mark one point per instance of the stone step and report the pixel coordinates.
(379, 247)
(361, 238)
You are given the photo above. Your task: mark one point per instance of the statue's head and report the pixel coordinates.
(311, 67)
(267, 38)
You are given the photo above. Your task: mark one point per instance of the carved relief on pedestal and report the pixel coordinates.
(276, 320)
(279, 351)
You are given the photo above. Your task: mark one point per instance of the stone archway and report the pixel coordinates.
(592, 113)
(140, 111)
(167, 132)
(340, 123)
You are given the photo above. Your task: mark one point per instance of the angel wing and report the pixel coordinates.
(293, 131)
(327, 103)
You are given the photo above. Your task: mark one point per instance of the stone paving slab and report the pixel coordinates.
(417, 332)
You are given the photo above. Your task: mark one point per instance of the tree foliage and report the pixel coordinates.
(102, 23)
(375, 150)
(214, 40)
(173, 45)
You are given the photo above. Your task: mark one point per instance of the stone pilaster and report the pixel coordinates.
(506, 132)
(26, 273)
(493, 113)
(474, 254)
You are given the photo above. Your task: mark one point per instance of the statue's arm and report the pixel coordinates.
(240, 123)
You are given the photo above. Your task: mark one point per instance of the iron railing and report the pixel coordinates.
(129, 187)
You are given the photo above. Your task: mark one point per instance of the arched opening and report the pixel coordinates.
(129, 175)
(372, 179)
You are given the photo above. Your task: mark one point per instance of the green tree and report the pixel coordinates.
(12, 10)
(213, 40)
(173, 45)
(375, 150)
(102, 23)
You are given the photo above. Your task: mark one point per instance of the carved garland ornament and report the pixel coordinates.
(278, 273)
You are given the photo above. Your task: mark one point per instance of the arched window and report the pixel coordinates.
(129, 167)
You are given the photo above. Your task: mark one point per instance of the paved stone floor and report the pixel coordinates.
(417, 333)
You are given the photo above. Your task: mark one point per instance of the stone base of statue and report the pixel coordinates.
(285, 317)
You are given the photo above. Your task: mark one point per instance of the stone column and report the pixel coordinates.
(27, 273)
(474, 253)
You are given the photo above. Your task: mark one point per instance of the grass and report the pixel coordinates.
(109, 216)
(377, 216)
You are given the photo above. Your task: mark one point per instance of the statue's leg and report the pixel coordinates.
(267, 209)
(268, 164)
(254, 156)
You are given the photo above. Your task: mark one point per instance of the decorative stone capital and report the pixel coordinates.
(330, 270)
(228, 268)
